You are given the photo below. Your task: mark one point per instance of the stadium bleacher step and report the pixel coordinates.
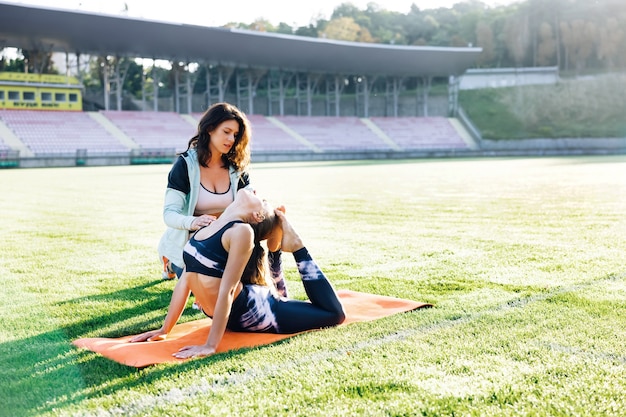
(13, 142)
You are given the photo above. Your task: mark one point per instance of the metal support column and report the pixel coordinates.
(453, 96)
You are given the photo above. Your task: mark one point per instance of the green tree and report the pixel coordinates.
(468, 26)
(346, 10)
(517, 38)
(583, 39)
(284, 28)
(344, 29)
(546, 47)
(611, 37)
(566, 42)
(385, 26)
(485, 39)
(312, 31)
(12, 65)
(133, 79)
(39, 62)
(420, 28)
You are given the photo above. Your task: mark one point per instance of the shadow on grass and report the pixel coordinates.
(46, 372)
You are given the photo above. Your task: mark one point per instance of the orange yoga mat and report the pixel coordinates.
(358, 306)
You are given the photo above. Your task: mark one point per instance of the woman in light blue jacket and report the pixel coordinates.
(204, 180)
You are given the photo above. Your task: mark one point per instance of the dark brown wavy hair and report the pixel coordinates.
(239, 155)
(257, 270)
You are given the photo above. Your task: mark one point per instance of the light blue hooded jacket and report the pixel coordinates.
(179, 206)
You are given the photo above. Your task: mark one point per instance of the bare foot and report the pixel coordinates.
(291, 242)
(276, 235)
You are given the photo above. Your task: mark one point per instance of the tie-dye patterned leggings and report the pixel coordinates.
(256, 310)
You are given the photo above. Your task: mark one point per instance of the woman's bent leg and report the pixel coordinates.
(316, 285)
(324, 308)
(293, 316)
(256, 310)
(276, 270)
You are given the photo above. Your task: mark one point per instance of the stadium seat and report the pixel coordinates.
(60, 132)
(412, 133)
(335, 133)
(268, 137)
(153, 130)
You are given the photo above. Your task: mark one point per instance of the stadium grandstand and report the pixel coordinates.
(292, 88)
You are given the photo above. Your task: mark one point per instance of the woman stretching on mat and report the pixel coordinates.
(225, 269)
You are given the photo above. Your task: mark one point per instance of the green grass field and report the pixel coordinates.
(524, 260)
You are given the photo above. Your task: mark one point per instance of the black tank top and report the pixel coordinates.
(208, 256)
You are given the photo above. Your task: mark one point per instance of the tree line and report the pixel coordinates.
(575, 35)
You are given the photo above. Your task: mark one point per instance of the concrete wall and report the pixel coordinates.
(566, 145)
(488, 148)
(508, 77)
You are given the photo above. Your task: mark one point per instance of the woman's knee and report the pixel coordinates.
(340, 316)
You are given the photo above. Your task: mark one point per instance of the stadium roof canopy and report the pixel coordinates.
(55, 30)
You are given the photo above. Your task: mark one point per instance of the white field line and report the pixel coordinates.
(204, 387)
(581, 352)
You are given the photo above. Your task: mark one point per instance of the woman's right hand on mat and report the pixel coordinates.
(195, 351)
(151, 336)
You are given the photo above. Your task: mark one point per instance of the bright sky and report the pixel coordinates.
(217, 13)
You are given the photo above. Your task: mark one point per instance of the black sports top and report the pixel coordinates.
(207, 256)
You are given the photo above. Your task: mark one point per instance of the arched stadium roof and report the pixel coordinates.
(55, 30)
